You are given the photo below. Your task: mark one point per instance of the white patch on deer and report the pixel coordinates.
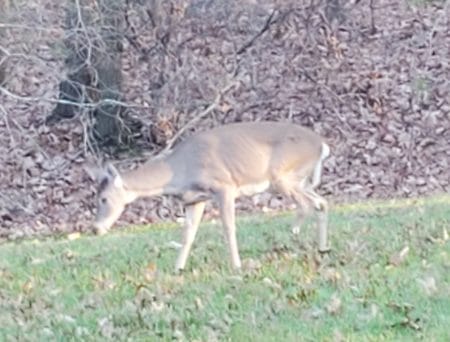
(118, 183)
(255, 188)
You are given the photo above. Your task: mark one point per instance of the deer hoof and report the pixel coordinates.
(101, 231)
(326, 250)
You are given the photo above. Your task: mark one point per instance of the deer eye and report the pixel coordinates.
(103, 200)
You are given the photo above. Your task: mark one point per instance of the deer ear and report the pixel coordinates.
(94, 172)
(111, 170)
(114, 175)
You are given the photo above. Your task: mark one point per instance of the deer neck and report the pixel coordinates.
(150, 179)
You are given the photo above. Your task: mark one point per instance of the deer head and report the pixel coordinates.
(112, 196)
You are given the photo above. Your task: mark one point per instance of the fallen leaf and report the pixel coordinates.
(271, 283)
(250, 264)
(296, 230)
(335, 305)
(428, 285)
(398, 258)
(177, 334)
(158, 306)
(314, 313)
(73, 236)
(198, 303)
(28, 286)
(106, 327)
(338, 336)
(36, 261)
(174, 245)
(103, 283)
(150, 272)
(69, 255)
(331, 274)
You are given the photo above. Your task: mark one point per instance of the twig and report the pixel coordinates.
(373, 29)
(72, 103)
(8, 127)
(199, 116)
(151, 17)
(88, 60)
(332, 93)
(324, 86)
(259, 34)
(433, 29)
(30, 28)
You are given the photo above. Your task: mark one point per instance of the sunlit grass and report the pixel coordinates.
(121, 286)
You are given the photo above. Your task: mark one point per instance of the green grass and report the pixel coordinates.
(121, 286)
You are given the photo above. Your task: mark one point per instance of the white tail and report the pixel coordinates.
(223, 164)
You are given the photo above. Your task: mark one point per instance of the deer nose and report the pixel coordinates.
(100, 229)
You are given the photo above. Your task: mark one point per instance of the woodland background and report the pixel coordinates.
(89, 80)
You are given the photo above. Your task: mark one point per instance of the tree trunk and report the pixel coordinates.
(334, 12)
(4, 6)
(109, 71)
(94, 62)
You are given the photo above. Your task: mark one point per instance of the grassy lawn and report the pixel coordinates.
(386, 279)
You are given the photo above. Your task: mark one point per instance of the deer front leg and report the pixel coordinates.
(294, 192)
(303, 209)
(194, 215)
(227, 212)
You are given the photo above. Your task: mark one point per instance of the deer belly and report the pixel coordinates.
(254, 188)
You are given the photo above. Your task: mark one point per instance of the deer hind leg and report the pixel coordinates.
(320, 205)
(194, 215)
(306, 199)
(227, 212)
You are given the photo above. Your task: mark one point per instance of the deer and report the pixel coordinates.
(222, 164)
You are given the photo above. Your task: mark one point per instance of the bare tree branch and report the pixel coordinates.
(200, 115)
(72, 103)
(373, 28)
(266, 26)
